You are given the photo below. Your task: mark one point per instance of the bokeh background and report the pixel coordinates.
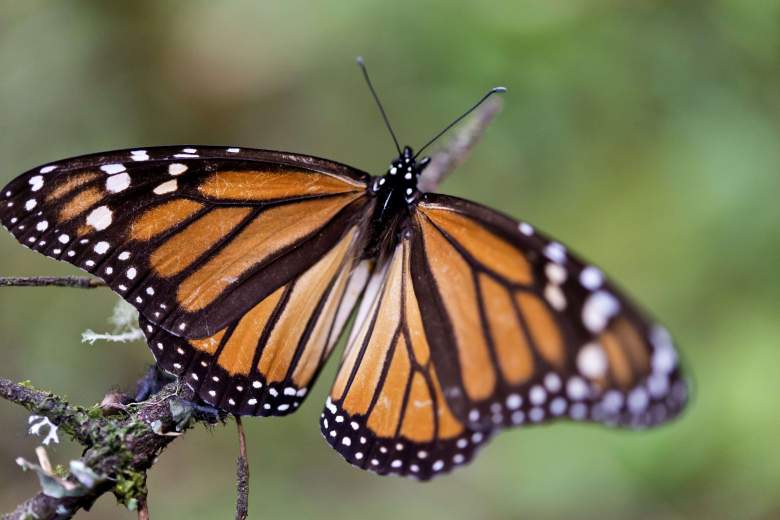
(644, 134)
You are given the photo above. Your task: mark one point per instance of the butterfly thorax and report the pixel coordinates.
(396, 192)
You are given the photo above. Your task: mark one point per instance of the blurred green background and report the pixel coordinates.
(643, 134)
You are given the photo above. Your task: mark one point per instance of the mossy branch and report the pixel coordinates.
(122, 441)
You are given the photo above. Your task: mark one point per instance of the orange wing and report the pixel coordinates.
(534, 333)
(192, 237)
(477, 322)
(266, 360)
(387, 411)
(243, 264)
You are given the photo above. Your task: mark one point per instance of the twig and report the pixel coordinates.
(119, 451)
(446, 160)
(242, 474)
(143, 511)
(79, 282)
(72, 419)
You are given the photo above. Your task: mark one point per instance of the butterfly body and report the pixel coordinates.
(396, 195)
(246, 265)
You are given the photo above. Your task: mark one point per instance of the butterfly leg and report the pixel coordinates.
(151, 383)
(208, 413)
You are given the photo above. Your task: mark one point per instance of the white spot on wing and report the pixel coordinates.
(101, 247)
(555, 297)
(591, 278)
(177, 169)
(556, 273)
(598, 309)
(537, 395)
(36, 182)
(637, 400)
(100, 218)
(117, 183)
(555, 252)
(592, 361)
(552, 382)
(513, 401)
(166, 187)
(111, 169)
(576, 388)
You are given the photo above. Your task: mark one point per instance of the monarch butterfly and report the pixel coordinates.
(245, 265)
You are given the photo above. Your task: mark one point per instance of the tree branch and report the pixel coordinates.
(79, 282)
(119, 449)
(242, 474)
(72, 419)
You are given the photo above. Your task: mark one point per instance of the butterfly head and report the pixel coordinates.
(401, 177)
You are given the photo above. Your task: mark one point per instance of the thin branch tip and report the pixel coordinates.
(77, 282)
(458, 148)
(242, 474)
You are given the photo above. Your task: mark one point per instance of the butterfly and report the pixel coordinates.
(246, 265)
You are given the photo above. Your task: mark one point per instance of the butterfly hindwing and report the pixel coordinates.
(531, 332)
(192, 237)
(386, 411)
(265, 362)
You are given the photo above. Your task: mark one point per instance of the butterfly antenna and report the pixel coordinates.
(362, 65)
(494, 90)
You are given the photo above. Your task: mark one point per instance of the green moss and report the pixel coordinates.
(130, 488)
(60, 471)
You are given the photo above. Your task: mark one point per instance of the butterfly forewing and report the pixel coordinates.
(242, 263)
(537, 334)
(192, 237)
